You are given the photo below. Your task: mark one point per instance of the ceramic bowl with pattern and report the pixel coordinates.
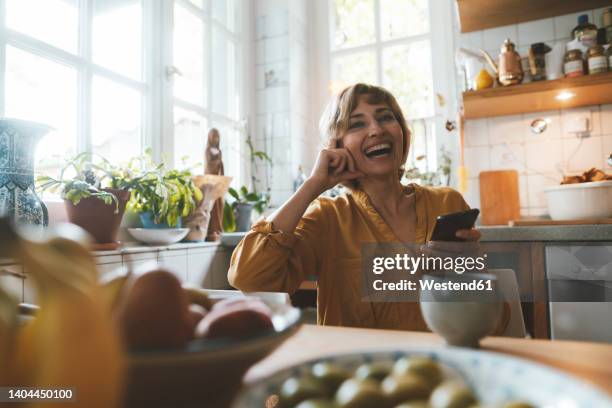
(495, 378)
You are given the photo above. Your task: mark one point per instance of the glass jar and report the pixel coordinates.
(573, 65)
(597, 60)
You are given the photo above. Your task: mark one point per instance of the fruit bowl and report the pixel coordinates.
(495, 378)
(205, 372)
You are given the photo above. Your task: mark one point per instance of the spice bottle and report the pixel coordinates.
(573, 64)
(597, 61)
(585, 32)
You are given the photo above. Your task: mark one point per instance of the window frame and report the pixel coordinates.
(238, 38)
(155, 86)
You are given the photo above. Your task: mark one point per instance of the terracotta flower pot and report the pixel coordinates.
(98, 218)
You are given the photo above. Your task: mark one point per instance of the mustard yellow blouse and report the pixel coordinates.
(327, 244)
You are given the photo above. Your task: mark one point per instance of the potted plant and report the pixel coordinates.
(95, 195)
(237, 215)
(160, 196)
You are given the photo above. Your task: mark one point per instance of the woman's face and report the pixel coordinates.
(374, 138)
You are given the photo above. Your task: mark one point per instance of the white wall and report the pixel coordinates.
(507, 142)
(284, 127)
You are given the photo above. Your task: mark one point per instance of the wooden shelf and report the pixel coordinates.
(539, 96)
(477, 15)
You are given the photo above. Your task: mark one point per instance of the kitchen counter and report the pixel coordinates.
(548, 233)
(137, 247)
(587, 361)
(556, 233)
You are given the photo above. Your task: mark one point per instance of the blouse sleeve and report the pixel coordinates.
(270, 260)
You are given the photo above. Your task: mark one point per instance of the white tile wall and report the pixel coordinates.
(509, 129)
(283, 95)
(607, 151)
(543, 156)
(536, 31)
(537, 183)
(508, 143)
(494, 37)
(582, 154)
(505, 156)
(477, 159)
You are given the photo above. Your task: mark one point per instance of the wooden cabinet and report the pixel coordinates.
(176, 261)
(527, 261)
(477, 15)
(595, 89)
(204, 266)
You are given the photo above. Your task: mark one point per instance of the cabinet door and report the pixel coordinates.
(220, 265)
(107, 264)
(175, 261)
(199, 267)
(11, 280)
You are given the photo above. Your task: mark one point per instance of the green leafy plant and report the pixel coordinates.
(167, 193)
(84, 176)
(441, 176)
(255, 155)
(259, 201)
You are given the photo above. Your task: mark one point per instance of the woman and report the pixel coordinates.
(312, 235)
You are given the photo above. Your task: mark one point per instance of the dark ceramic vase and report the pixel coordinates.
(18, 199)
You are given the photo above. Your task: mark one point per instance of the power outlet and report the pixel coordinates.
(580, 125)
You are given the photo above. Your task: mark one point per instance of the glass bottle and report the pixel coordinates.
(585, 32)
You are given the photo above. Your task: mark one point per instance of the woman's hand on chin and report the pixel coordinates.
(333, 166)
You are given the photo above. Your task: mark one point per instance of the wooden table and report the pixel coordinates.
(589, 361)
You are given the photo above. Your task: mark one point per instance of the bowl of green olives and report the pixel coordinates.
(420, 378)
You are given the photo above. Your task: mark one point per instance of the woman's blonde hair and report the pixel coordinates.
(336, 117)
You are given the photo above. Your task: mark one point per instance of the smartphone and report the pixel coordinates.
(447, 225)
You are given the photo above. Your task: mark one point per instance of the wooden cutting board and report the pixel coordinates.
(499, 197)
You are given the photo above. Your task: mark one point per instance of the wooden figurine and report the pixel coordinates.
(214, 165)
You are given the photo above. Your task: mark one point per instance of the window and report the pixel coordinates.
(389, 43)
(206, 48)
(91, 70)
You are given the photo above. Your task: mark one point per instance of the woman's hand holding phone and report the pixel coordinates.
(333, 166)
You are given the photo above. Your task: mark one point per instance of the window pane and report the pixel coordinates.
(400, 18)
(407, 73)
(226, 12)
(354, 23)
(190, 130)
(115, 120)
(225, 98)
(230, 150)
(189, 56)
(117, 36)
(52, 21)
(43, 91)
(199, 3)
(353, 68)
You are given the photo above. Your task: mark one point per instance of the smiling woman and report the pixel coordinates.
(313, 235)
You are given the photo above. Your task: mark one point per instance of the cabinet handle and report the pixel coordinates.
(8, 272)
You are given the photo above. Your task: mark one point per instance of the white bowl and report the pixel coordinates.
(494, 377)
(581, 201)
(159, 236)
